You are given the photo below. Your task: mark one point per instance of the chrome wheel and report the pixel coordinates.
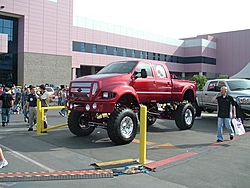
(188, 117)
(126, 127)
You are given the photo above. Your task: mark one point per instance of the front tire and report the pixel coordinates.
(122, 126)
(184, 116)
(78, 124)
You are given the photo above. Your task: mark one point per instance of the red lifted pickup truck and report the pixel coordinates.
(111, 99)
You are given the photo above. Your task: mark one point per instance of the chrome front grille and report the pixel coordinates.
(80, 89)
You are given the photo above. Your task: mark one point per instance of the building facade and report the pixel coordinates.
(42, 42)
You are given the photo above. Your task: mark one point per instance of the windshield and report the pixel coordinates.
(121, 67)
(48, 89)
(237, 85)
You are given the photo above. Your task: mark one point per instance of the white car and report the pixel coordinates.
(51, 91)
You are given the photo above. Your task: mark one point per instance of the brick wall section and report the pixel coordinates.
(48, 68)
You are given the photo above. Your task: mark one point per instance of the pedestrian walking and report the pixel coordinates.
(226, 111)
(3, 161)
(25, 95)
(31, 107)
(63, 112)
(6, 101)
(45, 99)
(59, 103)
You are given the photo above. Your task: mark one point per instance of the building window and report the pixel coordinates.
(124, 52)
(94, 48)
(153, 56)
(159, 57)
(133, 53)
(82, 47)
(115, 51)
(105, 50)
(6, 27)
(8, 61)
(141, 54)
(146, 55)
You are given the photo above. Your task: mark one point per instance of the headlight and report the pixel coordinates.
(106, 94)
(243, 100)
(94, 105)
(87, 107)
(94, 89)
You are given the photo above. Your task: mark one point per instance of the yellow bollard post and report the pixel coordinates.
(42, 119)
(143, 132)
(38, 117)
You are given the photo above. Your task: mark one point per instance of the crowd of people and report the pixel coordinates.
(24, 100)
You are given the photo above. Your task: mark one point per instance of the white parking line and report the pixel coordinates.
(19, 155)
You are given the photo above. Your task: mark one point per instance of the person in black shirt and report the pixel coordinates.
(226, 105)
(6, 100)
(32, 106)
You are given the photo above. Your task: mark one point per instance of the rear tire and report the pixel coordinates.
(151, 120)
(78, 124)
(122, 126)
(184, 116)
(197, 110)
(210, 111)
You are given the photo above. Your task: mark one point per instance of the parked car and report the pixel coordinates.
(51, 91)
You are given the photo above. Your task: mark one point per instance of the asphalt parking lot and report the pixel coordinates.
(189, 158)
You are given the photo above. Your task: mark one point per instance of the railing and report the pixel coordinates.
(40, 118)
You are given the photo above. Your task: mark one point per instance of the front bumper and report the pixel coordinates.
(91, 106)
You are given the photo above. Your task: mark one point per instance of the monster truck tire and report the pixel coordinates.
(122, 126)
(197, 110)
(151, 120)
(184, 116)
(76, 123)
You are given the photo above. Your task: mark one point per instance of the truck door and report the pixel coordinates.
(145, 87)
(209, 93)
(163, 84)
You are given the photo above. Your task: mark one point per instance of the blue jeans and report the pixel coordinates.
(227, 123)
(6, 115)
(59, 103)
(64, 110)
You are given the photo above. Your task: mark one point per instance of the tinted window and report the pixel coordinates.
(160, 71)
(144, 65)
(211, 86)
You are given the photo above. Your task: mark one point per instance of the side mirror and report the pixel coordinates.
(144, 73)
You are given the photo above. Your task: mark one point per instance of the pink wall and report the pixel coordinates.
(232, 51)
(98, 37)
(44, 26)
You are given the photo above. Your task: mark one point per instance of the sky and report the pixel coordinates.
(171, 18)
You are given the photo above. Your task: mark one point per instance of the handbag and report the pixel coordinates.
(238, 126)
